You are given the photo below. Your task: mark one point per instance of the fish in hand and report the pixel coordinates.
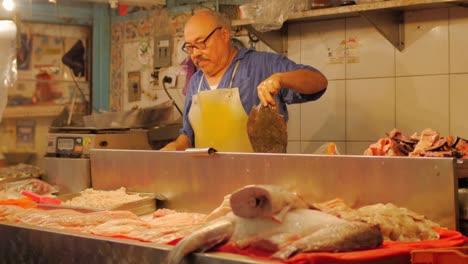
(267, 130)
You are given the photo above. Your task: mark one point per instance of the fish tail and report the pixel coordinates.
(201, 239)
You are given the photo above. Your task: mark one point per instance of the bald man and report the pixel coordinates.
(231, 81)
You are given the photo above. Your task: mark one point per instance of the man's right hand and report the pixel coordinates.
(181, 143)
(169, 147)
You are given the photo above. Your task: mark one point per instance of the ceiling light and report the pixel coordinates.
(113, 3)
(9, 5)
(53, 1)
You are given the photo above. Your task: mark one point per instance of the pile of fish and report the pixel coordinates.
(395, 223)
(264, 217)
(428, 144)
(275, 220)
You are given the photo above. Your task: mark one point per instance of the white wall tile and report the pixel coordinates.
(458, 105)
(323, 47)
(324, 120)
(294, 42)
(458, 28)
(294, 122)
(370, 108)
(312, 147)
(422, 102)
(369, 54)
(358, 148)
(426, 43)
(294, 147)
(360, 109)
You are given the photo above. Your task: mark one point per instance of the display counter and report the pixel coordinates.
(198, 181)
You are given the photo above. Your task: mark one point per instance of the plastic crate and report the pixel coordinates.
(455, 255)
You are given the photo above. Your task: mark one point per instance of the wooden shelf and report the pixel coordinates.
(45, 110)
(385, 16)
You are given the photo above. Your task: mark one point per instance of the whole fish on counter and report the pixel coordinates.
(275, 220)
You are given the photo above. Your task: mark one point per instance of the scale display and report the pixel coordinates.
(69, 145)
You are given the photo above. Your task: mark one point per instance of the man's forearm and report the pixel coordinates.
(303, 81)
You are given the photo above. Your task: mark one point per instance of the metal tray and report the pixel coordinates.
(141, 207)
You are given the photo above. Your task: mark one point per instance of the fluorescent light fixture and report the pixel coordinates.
(9, 5)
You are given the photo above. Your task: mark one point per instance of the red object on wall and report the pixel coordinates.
(43, 89)
(123, 10)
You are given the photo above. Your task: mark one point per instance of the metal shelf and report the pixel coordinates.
(33, 111)
(385, 16)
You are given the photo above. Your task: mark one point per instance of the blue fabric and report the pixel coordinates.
(254, 68)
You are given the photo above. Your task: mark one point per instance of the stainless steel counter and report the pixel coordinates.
(198, 183)
(27, 244)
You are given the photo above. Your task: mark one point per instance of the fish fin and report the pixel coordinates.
(285, 252)
(279, 217)
(211, 243)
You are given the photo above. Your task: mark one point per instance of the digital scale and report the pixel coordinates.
(67, 158)
(77, 142)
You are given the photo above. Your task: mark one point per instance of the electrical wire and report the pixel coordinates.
(77, 87)
(168, 79)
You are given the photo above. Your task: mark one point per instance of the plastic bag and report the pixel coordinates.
(270, 15)
(12, 190)
(329, 148)
(8, 73)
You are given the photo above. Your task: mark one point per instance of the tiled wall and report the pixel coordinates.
(126, 37)
(373, 87)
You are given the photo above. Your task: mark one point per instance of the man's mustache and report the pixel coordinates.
(198, 59)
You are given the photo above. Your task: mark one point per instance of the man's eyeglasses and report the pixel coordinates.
(188, 48)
